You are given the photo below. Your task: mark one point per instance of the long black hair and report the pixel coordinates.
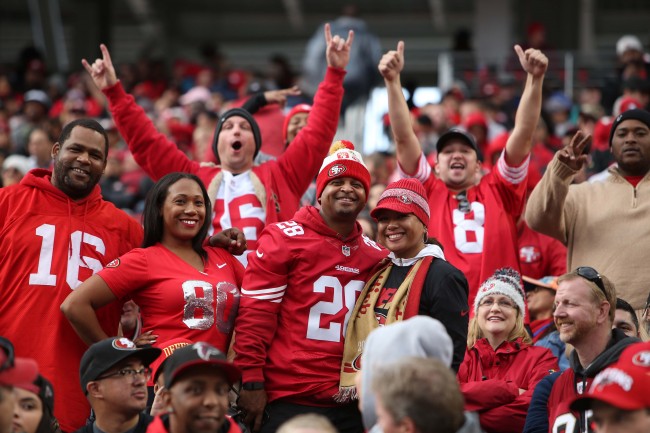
(154, 226)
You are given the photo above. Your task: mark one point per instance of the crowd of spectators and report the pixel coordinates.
(529, 155)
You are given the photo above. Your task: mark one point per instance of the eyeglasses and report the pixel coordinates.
(502, 303)
(590, 274)
(463, 203)
(130, 373)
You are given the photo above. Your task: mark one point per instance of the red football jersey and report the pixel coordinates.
(298, 293)
(175, 299)
(479, 235)
(540, 255)
(49, 244)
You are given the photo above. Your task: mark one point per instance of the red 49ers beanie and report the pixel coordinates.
(343, 161)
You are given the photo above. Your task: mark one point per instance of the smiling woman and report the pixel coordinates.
(184, 287)
(501, 368)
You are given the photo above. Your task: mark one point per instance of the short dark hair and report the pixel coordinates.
(153, 218)
(622, 304)
(85, 123)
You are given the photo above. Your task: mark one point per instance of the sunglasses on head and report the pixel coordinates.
(590, 274)
(463, 203)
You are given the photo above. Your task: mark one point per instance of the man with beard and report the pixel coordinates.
(114, 374)
(473, 217)
(599, 221)
(584, 312)
(299, 290)
(56, 232)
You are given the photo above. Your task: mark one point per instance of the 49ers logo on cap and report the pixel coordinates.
(336, 170)
(405, 199)
(123, 344)
(113, 264)
(642, 359)
(205, 351)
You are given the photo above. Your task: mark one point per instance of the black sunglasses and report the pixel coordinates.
(590, 274)
(463, 204)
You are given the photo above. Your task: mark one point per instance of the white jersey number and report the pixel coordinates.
(343, 297)
(468, 233)
(566, 423)
(44, 276)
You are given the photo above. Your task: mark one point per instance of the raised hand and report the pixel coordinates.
(532, 61)
(392, 63)
(101, 71)
(280, 96)
(572, 155)
(338, 49)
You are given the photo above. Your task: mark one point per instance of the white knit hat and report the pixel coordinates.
(506, 282)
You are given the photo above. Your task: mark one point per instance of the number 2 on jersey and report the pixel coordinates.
(342, 297)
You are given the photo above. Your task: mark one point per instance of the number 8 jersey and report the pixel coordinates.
(299, 289)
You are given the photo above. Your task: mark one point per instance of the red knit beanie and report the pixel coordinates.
(404, 196)
(343, 161)
(300, 108)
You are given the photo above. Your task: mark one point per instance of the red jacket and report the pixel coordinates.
(284, 180)
(490, 381)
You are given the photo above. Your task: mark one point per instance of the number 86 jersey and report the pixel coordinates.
(299, 289)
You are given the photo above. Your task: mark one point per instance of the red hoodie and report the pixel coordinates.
(50, 244)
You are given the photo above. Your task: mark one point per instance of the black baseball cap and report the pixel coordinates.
(103, 355)
(196, 354)
(458, 135)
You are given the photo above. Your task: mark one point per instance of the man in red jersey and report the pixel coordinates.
(298, 292)
(56, 232)
(473, 219)
(244, 195)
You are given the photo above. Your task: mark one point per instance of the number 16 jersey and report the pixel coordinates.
(299, 289)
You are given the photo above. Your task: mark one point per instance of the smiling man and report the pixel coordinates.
(114, 374)
(473, 219)
(57, 231)
(603, 224)
(244, 195)
(584, 312)
(299, 290)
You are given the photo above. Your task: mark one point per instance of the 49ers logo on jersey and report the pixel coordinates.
(336, 170)
(113, 264)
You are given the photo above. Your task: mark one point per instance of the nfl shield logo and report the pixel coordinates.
(346, 250)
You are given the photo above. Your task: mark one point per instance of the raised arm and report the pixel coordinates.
(406, 142)
(102, 70)
(80, 305)
(520, 142)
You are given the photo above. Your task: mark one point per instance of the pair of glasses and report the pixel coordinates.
(501, 303)
(463, 203)
(590, 274)
(130, 373)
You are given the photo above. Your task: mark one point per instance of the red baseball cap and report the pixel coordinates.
(624, 384)
(14, 371)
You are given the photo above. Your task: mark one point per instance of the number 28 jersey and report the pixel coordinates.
(177, 300)
(299, 289)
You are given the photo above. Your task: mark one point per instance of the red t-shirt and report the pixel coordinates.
(177, 300)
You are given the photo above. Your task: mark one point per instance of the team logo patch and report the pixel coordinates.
(113, 264)
(642, 359)
(205, 351)
(405, 199)
(123, 344)
(336, 170)
(345, 250)
(529, 254)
